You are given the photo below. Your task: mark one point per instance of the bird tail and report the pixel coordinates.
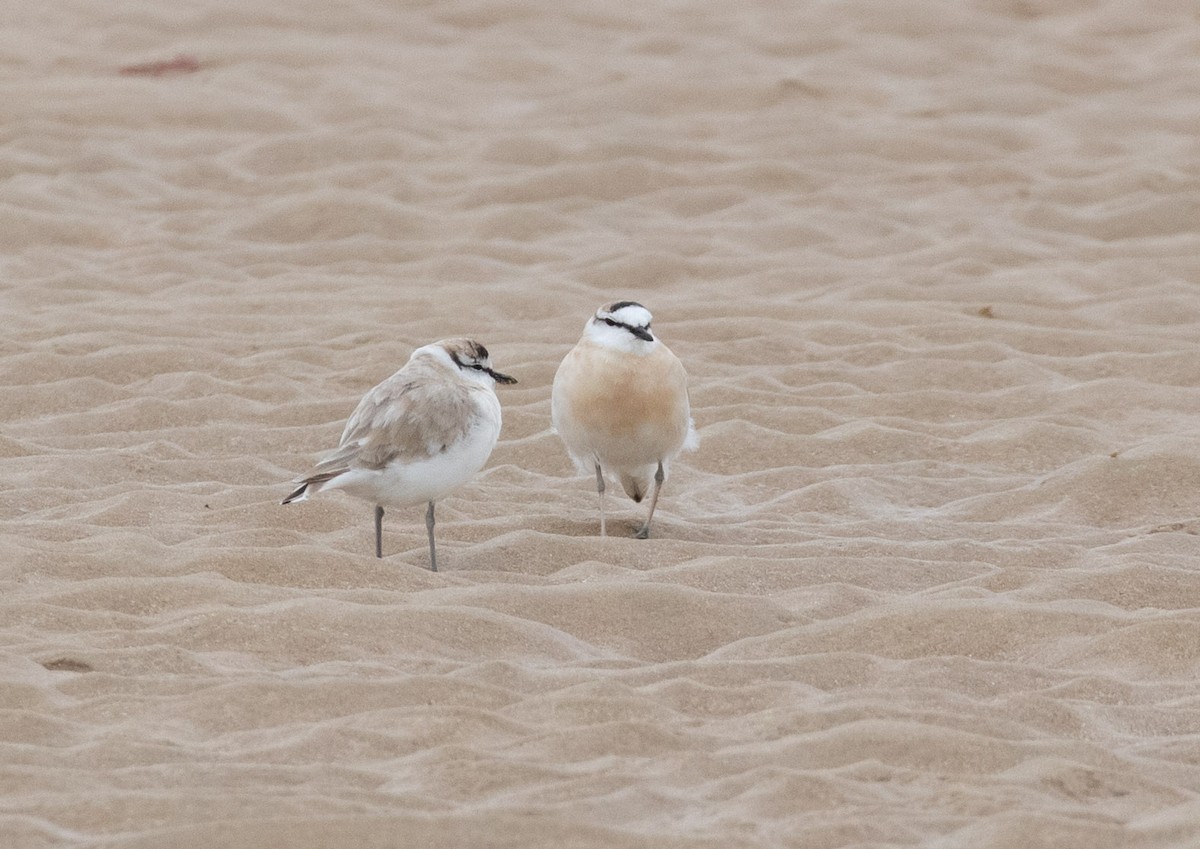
(635, 486)
(311, 486)
(300, 494)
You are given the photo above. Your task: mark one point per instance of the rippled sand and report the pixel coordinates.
(931, 579)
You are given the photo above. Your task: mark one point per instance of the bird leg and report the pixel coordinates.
(600, 491)
(378, 531)
(429, 527)
(659, 477)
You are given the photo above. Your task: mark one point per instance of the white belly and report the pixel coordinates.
(403, 484)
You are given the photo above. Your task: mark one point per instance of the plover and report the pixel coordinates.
(620, 404)
(418, 435)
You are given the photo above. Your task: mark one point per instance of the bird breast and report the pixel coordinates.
(621, 407)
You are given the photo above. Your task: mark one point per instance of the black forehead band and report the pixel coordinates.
(476, 352)
(620, 305)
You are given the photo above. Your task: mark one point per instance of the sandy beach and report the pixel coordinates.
(932, 578)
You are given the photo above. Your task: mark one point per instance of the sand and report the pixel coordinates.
(930, 580)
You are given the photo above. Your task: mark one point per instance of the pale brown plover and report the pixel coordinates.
(423, 432)
(620, 403)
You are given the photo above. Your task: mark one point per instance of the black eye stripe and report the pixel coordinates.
(464, 365)
(636, 331)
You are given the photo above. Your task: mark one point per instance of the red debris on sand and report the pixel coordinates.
(181, 64)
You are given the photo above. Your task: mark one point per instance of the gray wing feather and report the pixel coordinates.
(403, 418)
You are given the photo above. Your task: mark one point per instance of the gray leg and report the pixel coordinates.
(659, 477)
(429, 527)
(378, 531)
(600, 491)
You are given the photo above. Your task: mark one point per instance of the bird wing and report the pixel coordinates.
(404, 418)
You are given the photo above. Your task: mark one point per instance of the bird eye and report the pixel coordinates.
(610, 322)
(477, 366)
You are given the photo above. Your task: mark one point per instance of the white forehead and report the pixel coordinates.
(633, 315)
(468, 352)
(448, 350)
